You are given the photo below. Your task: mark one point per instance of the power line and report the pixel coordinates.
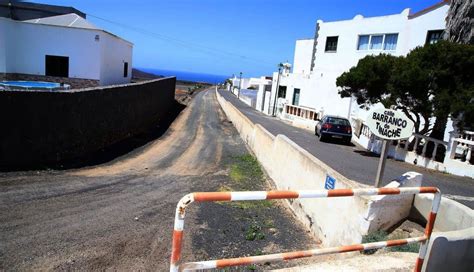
(190, 45)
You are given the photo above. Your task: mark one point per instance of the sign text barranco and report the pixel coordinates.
(389, 124)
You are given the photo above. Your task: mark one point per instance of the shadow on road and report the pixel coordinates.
(115, 150)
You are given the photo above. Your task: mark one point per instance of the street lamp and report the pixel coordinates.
(240, 85)
(280, 65)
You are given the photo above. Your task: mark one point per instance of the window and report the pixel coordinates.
(125, 69)
(57, 66)
(331, 44)
(282, 91)
(296, 97)
(433, 36)
(363, 42)
(390, 42)
(376, 42)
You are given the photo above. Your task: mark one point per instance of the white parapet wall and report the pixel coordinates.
(452, 245)
(335, 221)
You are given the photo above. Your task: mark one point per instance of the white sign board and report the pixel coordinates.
(389, 124)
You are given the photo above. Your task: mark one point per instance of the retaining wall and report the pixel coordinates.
(335, 221)
(43, 127)
(452, 245)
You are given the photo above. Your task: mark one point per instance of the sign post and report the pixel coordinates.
(388, 125)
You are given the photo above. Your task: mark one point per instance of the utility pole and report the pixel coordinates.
(276, 90)
(240, 85)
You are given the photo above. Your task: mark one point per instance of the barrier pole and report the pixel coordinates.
(262, 195)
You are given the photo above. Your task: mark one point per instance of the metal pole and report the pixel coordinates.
(382, 161)
(276, 90)
(240, 85)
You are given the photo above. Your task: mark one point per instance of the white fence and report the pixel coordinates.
(454, 157)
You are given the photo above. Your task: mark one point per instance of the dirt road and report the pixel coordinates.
(119, 215)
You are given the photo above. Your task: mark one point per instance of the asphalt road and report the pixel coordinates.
(119, 215)
(353, 162)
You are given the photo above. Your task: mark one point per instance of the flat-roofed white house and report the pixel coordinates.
(338, 46)
(64, 48)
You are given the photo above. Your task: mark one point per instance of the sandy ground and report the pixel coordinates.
(119, 215)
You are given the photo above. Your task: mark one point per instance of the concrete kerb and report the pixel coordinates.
(335, 222)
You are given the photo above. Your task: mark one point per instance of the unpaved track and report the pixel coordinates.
(119, 215)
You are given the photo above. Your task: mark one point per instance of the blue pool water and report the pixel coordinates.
(30, 84)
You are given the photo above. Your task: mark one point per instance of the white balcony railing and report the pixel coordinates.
(462, 147)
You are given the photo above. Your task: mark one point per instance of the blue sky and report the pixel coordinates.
(223, 36)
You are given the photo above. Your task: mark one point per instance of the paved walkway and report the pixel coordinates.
(353, 162)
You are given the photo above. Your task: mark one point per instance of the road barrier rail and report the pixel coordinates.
(268, 195)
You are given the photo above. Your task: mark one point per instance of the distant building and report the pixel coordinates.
(310, 90)
(63, 48)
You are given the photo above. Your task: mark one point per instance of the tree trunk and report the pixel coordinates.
(439, 127)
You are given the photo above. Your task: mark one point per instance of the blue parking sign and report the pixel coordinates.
(330, 183)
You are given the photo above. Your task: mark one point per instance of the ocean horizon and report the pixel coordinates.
(188, 76)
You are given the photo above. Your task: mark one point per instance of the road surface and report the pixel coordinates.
(353, 162)
(119, 215)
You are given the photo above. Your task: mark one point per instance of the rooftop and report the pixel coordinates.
(67, 20)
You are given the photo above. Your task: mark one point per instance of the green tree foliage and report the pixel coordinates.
(431, 81)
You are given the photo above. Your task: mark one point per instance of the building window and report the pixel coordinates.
(433, 36)
(296, 97)
(57, 66)
(125, 69)
(390, 42)
(378, 42)
(363, 42)
(331, 44)
(282, 91)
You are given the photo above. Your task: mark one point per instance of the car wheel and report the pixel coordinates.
(322, 137)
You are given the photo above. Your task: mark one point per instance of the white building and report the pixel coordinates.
(64, 48)
(311, 88)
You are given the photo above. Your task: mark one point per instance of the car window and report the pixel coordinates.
(338, 121)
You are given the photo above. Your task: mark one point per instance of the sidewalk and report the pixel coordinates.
(355, 163)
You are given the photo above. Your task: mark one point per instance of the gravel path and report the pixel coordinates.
(119, 215)
(353, 162)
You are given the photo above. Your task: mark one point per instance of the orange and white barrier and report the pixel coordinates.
(262, 195)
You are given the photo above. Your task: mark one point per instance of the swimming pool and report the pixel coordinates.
(32, 85)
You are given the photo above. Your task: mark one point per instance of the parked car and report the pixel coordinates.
(334, 127)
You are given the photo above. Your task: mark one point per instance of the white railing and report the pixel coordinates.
(302, 112)
(462, 147)
(423, 142)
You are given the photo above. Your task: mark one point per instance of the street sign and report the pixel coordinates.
(330, 183)
(389, 124)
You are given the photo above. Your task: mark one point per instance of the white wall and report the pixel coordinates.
(115, 52)
(26, 44)
(3, 44)
(303, 49)
(29, 43)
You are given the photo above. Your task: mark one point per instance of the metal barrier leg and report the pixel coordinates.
(428, 230)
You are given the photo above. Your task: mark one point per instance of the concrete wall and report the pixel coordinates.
(452, 245)
(335, 221)
(46, 127)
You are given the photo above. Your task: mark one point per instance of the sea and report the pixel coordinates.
(188, 76)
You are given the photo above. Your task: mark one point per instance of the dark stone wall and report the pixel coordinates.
(460, 22)
(75, 83)
(44, 127)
